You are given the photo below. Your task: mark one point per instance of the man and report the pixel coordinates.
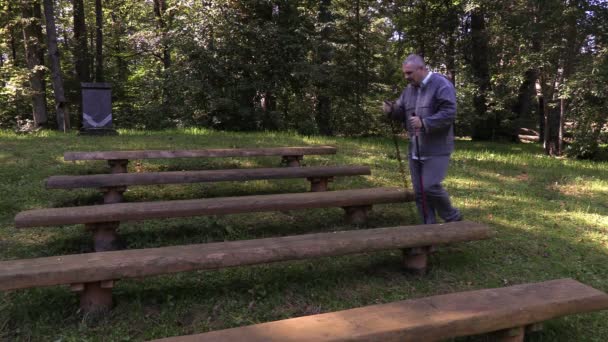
(427, 108)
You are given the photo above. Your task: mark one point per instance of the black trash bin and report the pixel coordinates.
(97, 109)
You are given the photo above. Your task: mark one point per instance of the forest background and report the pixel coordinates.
(532, 69)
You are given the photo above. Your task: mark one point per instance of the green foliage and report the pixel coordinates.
(589, 108)
(320, 66)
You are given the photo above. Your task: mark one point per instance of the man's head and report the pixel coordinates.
(414, 69)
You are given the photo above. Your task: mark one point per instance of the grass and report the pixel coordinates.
(550, 217)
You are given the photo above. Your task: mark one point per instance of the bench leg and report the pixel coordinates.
(291, 161)
(113, 194)
(96, 297)
(319, 183)
(118, 165)
(357, 215)
(104, 235)
(509, 335)
(415, 260)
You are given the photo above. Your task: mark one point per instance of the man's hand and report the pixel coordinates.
(415, 122)
(387, 107)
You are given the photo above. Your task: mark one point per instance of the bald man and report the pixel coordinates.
(427, 109)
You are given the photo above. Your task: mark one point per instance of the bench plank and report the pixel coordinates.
(79, 268)
(427, 319)
(177, 177)
(220, 152)
(209, 206)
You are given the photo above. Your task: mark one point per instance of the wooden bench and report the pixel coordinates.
(505, 312)
(118, 160)
(94, 273)
(103, 220)
(114, 185)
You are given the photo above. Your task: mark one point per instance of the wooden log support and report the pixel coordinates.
(435, 318)
(415, 260)
(113, 194)
(319, 183)
(356, 215)
(118, 165)
(95, 298)
(105, 237)
(292, 161)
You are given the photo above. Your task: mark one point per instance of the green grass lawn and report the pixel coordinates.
(550, 217)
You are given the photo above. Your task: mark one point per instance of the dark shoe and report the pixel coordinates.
(459, 218)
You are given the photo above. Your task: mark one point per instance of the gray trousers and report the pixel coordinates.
(437, 199)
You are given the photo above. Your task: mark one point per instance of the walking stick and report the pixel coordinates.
(395, 133)
(420, 177)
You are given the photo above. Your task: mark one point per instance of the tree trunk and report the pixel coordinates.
(552, 124)
(160, 7)
(555, 117)
(33, 52)
(81, 47)
(523, 108)
(483, 125)
(91, 56)
(63, 122)
(541, 119)
(323, 106)
(99, 42)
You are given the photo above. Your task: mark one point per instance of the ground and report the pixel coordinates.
(550, 217)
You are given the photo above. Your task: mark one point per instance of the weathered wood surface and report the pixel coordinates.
(91, 267)
(427, 319)
(219, 152)
(177, 177)
(209, 206)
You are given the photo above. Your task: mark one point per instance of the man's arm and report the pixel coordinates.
(446, 110)
(394, 109)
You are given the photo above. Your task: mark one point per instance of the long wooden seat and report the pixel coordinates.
(319, 176)
(209, 206)
(118, 159)
(505, 312)
(94, 273)
(104, 219)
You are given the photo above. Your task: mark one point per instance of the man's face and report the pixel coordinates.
(413, 74)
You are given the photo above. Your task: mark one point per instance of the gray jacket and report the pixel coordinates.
(437, 109)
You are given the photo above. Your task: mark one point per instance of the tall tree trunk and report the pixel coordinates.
(99, 42)
(160, 8)
(557, 112)
(117, 33)
(81, 51)
(63, 122)
(483, 125)
(450, 60)
(323, 106)
(91, 56)
(33, 52)
(552, 124)
(523, 107)
(541, 118)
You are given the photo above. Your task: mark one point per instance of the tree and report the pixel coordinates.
(322, 58)
(63, 122)
(34, 55)
(81, 50)
(98, 41)
(484, 122)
